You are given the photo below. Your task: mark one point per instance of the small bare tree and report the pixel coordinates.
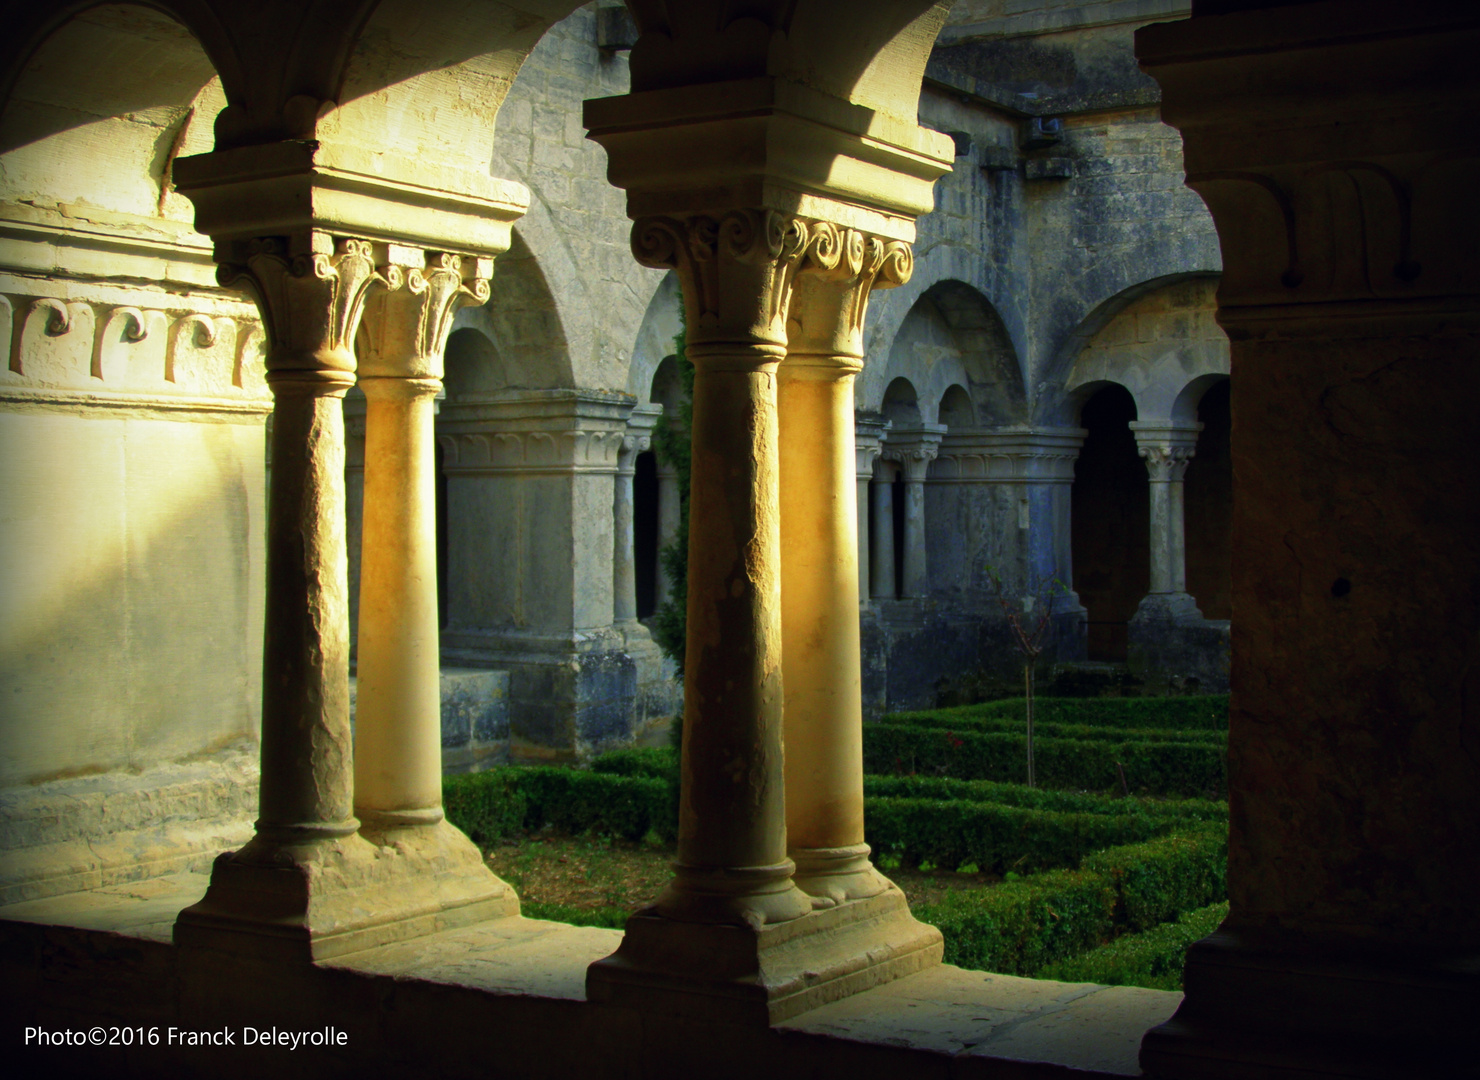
(1027, 634)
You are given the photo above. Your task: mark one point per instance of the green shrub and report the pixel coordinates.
(1051, 730)
(1081, 802)
(658, 762)
(488, 806)
(1175, 713)
(1153, 959)
(1163, 768)
(1020, 927)
(997, 838)
(491, 805)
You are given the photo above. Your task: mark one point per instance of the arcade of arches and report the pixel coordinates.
(337, 338)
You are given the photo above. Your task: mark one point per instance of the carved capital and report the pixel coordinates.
(1167, 463)
(831, 296)
(632, 445)
(736, 270)
(406, 328)
(310, 303)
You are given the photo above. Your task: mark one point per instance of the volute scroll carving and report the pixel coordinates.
(311, 304)
(1166, 463)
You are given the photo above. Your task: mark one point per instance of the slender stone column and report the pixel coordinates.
(624, 558)
(354, 502)
(915, 449)
(668, 520)
(736, 273)
(1167, 449)
(311, 304)
(819, 568)
(867, 437)
(881, 548)
(398, 730)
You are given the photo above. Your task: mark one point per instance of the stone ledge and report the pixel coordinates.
(511, 991)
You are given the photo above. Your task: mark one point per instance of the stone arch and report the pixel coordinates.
(102, 106)
(956, 410)
(523, 323)
(901, 404)
(654, 348)
(1055, 402)
(952, 335)
(1156, 342)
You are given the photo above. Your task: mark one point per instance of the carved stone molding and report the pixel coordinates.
(868, 436)
(1167, 448)
(831, 296)
(1009, 456)
(914, 449)
(311, 303)
(535, 432)
(406, 326)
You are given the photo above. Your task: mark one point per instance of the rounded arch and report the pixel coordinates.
(101, 108)
(956, 410)
(1156, 342)
(1059, 377)
(522, 321)
(472, 364)
(662, 323)
(1185, 406)
(953, 335)
(901, 405)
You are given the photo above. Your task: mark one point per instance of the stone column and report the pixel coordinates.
(1346, 211)
(881, 547)
(354, 502)
(914, 449)
(1167, 448)
(819, 568)
(624, 558)
(398, 728)
(868, 436)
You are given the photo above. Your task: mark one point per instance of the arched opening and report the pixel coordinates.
(645, 532)
(956, 410)
(1110, 508)
(1208, 506)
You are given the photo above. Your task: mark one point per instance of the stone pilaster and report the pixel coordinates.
(528, 592)
(1346, 218)
(868, 437)
(914, 449)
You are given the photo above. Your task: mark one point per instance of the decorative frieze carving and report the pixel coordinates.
(1009, 456)
(122, 355)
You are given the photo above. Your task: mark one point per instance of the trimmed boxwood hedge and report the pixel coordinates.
(1159, 768)
(1019, 927)
(1074, 802)
(1208, 713)
(1051, 730)
(492, 805)
(997, 838)
(1153, 959)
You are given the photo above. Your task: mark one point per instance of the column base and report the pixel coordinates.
(1276, 1005)
(1170, 645)
(743, 974)
(322, 899)
(836, 875)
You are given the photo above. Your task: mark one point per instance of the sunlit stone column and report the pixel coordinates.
(819, 565)
(312, 303)
(736, 273)
(398, 729)
(915, 449)
(624, 557)
(881, 546)
(867, 438)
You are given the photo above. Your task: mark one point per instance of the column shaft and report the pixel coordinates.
(305, 787)
(732, 825)
(865, 557)
(398, 745)
(916, 578)
(1163, 557)
(819, 623)
(624, 561)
